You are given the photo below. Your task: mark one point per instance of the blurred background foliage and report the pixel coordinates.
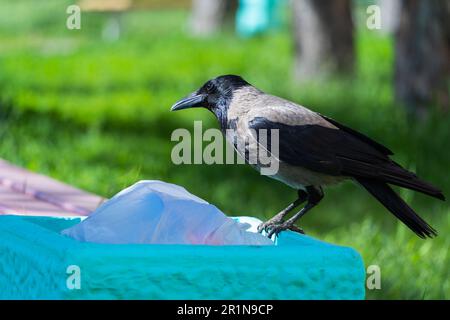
(95, 114)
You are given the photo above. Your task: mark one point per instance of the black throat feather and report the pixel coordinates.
(220, 110)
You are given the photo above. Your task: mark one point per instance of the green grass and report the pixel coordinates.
(96, 114)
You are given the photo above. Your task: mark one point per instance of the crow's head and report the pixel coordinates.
(215, 94)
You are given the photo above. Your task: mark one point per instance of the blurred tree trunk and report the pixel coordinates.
(209, 16)
(323, 36)
(422, 55)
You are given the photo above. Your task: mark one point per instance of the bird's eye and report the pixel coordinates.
(209, 87)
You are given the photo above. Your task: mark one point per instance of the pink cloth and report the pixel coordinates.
(26, 193)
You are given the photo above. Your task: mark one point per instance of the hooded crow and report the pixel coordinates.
(313, 150)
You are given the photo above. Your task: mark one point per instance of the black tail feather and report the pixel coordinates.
(403, 178)
(383, 193)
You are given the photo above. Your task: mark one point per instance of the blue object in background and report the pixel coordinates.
(257, 16)
(35, 262)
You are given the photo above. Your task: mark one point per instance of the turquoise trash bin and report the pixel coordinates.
(36, 262)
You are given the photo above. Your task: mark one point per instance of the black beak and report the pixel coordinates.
(194, 100)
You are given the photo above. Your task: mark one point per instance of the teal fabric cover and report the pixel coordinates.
(34, 259)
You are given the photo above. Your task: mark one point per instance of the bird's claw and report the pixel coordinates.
(273, 227)
(281, 227)
(296, 229)
(268, 225)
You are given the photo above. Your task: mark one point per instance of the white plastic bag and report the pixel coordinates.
(163, 213)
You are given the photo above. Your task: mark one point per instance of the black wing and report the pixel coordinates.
(322, 149)
(361, 136)
(339, 152)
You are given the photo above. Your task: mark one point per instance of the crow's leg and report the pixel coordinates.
(277, 219)
(313, 198)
